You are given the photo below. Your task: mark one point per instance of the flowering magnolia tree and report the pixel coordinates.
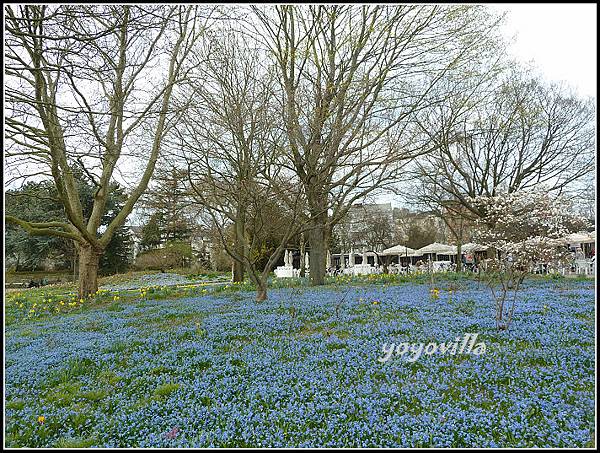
(524, 230)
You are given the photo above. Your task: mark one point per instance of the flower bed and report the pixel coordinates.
(301, 370)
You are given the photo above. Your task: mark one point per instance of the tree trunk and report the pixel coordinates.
(316, 240)
(238, 271)
(75, 268)
(89, 259)
(302, 252)
(261, 291)
(459, 256)
(238, 268)
(385, 262)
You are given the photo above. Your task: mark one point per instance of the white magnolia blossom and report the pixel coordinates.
(525, 226)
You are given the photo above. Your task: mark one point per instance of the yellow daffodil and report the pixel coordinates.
(41, 419)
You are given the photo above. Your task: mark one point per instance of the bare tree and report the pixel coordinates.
(230, 142)
(458, 220)
(90, 84)
(378, 232)
(351, 79)
(522, 135)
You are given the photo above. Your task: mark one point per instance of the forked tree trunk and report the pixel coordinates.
(89, 259)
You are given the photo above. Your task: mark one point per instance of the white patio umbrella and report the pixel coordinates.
(580, 238)
(398, 250)
(437, 249)
(471, 247)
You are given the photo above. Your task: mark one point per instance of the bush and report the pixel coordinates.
(173, 254)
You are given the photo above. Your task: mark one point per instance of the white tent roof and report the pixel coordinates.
(436, 247)
(580, 238)
(472, 247)
(399, 250)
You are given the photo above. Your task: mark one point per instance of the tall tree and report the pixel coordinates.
(523, 134)
(351, 78)
(230, 142)
(169, 203)
(91, 84)
(420, 235)
(151, 234)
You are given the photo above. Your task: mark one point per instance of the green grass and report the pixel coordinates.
(165, 390)
(76, 442)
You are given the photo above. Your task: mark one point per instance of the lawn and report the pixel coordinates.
(301, 369)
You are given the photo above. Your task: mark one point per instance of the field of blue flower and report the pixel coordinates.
(301, 370)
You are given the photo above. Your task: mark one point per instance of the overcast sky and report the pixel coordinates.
(561, 38)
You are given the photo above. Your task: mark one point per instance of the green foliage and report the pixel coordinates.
(38, 202)
(167, 201)
(76, 442)
(467, 307)
(173, 254)
(151, 234)
(116, 257)
(34, 202)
